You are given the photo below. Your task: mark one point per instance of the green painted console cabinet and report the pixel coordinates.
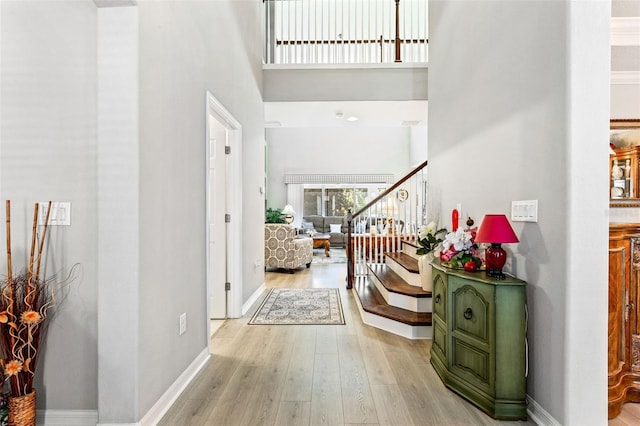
(479, 339)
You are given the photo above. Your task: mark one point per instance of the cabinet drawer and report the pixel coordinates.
(472, 364)
(439, 293)
(473, 311)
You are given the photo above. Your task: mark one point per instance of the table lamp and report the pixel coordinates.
(495, 229)
(288, 213)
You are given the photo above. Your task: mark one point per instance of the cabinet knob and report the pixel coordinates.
(437, 298)
(468, 313)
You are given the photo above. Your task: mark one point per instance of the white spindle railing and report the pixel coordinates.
(345, 31)
(381, 226)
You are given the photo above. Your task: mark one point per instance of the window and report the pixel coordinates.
(336, 200)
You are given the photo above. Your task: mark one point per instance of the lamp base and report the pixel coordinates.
(496, 258)
(496, 274)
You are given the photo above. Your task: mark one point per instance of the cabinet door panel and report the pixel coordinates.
(439, 344)
(472, 312)
(439, 293)
(617, 311)
(471, 363)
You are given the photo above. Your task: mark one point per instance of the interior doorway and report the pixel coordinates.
(217, 209)
(223, 213)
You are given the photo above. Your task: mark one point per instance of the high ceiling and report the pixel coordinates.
(336, 114)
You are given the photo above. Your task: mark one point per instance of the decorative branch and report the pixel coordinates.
(30, 281)
(8, 221)
(44, 234)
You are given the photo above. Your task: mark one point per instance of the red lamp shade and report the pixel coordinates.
(495, 229)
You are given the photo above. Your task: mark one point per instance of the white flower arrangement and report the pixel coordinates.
(428, 237)
(461, 240)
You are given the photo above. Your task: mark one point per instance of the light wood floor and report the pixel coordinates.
(630, 415)
(319, 375)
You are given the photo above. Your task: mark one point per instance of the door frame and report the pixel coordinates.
(234, 207)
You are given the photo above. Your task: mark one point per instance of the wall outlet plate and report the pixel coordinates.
(60, 213)
(524, 211)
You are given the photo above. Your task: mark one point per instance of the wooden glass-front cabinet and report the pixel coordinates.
(623, 321)
(479, 339)
(623, 174)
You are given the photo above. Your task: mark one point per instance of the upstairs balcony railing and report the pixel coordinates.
(345, 31)
(380, 226)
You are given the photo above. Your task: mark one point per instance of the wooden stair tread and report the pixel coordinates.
(373, 302)
(395, 283)
(407, 262)
(411, 243)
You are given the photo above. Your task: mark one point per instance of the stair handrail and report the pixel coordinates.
(390, 189)
(350, 216)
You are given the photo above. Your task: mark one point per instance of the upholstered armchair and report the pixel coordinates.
(282, 249)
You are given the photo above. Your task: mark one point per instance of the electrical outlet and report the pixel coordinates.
(183, 323)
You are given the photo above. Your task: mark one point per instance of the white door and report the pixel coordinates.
(218, 134)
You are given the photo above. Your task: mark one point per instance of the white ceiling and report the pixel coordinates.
(324, 114)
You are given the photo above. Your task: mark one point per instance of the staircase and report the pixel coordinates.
(390, 296)
(382, 264)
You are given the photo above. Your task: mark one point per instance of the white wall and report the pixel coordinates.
(418, 146)
(335, 150)
(118, 213)
(518, 111)
(187, 48)
(331, 83)
(48, 142)
(138, 193)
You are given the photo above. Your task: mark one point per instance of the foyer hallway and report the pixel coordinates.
(319, 375)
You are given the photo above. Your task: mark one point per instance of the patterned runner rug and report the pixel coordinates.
(292, 306)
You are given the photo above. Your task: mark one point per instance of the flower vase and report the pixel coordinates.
(424, 267)
(22, 410)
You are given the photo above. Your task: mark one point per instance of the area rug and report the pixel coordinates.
(292, 306)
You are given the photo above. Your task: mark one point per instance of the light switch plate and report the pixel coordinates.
(524, 211)
(60, 213)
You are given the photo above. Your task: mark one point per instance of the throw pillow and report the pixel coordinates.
(335, 228)
(307, 227)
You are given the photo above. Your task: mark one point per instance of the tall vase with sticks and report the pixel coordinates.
(24, 301)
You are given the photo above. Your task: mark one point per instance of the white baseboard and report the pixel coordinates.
(159, 409)
(539, 415)
(67, 417)
(255, 296)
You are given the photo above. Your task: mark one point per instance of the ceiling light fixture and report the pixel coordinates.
(352, 118)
